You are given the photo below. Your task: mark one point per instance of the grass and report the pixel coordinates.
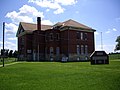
(60, 76)
(7, 60)
(114, 56)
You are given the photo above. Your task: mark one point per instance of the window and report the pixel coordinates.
(57, 50)
(29, 51)
(82, 49)
(57, 36)
(81, 36)
(86, 49)
(78, 35)
(45, 50)
(22, 41)
(46, 37)
(85, 36)
(51, 50)
(51, 36)
(78, 49)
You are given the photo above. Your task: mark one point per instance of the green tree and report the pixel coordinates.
(11, 53)
(15, 54)
(118, 43)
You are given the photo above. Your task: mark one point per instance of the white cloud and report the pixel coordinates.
(12, 38)
(111, 30)
(47, 22)
(47, 10)
(54, 4)
(66, 2)
(9, 45)
(107, 32)
(96, 33)
(26, 13)
(114, 29)
(10, 28)
(58, 11)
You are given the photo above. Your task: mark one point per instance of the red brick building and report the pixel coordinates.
(68, 39)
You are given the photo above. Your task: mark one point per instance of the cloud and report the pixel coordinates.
(65, 2)
(9, 45)
(107, 32)
(54, 4)
(12, 38)
(114, 29)
(10, 28)
(111, 30)
(47, 22)
(47, 10)
(26, 13)
(58, 11)
(96, 33)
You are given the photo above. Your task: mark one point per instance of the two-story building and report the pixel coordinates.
(69, 39)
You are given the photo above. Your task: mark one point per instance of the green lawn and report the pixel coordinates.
(60, 76)
(114, 56)
(7, 60)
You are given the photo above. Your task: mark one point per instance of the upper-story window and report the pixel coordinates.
(51, 37)
(22, 41)
(46, 37)
(78, 35)
(57, 36)
(85, 36)
(81, 35)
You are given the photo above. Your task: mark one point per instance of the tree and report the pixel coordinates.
(5, 52)
(1, 52)
(118, 43)
(11, 53)
(15, 54)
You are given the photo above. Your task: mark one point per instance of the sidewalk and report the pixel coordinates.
(9, 64)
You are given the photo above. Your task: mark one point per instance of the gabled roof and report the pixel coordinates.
(30, 27)
(73, 23)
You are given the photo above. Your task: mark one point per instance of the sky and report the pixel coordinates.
(101, 15)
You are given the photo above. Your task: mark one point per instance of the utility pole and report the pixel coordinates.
(101, 42)
(3, 42)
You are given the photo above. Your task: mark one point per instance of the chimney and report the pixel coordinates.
(38, 23)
